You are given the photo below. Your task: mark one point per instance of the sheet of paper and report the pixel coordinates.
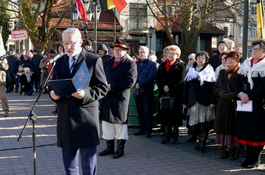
(248, 107)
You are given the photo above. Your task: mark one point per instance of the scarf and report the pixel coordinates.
(207, 74)
(28, 77)
(169, 63)
(256, 70)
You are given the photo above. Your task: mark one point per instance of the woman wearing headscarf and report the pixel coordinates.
(250, 85)
(224, 124)
(169, 79)
(199, 99)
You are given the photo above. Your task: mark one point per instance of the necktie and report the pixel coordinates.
(73, 64)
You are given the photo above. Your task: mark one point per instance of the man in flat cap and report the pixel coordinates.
(121, 74)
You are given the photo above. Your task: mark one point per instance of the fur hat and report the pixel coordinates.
(234, 55)
(26, 69)
(121, 43)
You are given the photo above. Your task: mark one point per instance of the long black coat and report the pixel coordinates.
(249, 126)
(114, 107)
(174, 80)
(225, 107)
(78, 121)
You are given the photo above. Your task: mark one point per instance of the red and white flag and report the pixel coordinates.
(120, 4)
(81, 10)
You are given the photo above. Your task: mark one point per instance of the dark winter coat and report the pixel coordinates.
(146, 74)
(24, 82)
(226, 104)
(174, 80)
(122, 77)
(250, 125)
(25, 63)
(193, 92)
(78, 122)
(13, 63)
(35, 62)
(215, 61)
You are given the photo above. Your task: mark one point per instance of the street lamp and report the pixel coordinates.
(150, 31)
(231, 37)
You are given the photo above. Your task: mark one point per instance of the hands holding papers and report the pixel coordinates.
(79, 94)
(244, 105)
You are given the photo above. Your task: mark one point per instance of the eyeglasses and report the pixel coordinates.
(190, 59)
(256, 49)
(71, 44)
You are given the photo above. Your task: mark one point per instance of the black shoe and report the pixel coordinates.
(197, 147)
(138, 133)
(165, 140)
(225, 154)
(148, 135)
(109, 149)
(192, 139)
(233, 155)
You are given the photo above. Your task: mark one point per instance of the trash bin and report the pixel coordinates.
(132, 112)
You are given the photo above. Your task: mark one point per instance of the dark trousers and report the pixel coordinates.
(144, 110)
(88, 161)
(36, 81)
(13, 77)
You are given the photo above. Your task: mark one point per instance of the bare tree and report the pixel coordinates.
(191, 17)
(31, 15)
(4, 18)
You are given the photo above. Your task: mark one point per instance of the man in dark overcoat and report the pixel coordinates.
(121, 74)
(78, 120)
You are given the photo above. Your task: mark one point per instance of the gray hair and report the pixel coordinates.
(145, 48)
(73, 30)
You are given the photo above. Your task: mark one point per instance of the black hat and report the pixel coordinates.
(121, 43)
(35, 50)
(224, 42)
(52, 51)
(88, 42)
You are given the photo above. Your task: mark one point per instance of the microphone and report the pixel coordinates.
(55, 58)
(4, 56)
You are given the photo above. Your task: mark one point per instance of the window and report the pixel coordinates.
(240, 31)
(253, 31)
(226, 32)
(159, 44)
(170, 10)
(138, 16)
(253, 8)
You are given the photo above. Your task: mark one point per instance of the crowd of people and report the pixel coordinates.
(206, 92)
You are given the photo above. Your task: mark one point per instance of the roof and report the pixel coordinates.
(105, 25)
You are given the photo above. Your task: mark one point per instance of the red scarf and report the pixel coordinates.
(169, 63)
(252, 61)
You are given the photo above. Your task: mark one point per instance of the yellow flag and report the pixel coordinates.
(260, 20)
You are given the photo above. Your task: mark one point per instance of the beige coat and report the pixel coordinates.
(3, 67)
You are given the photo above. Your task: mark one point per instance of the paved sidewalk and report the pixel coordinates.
(143, 156)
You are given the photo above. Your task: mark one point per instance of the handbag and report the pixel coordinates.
(166, 102)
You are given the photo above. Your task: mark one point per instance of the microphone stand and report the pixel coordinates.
(32, 116)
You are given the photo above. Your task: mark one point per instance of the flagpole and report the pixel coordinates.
(114, 25)
(95, 26)
(245, 30)
(72, 10)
